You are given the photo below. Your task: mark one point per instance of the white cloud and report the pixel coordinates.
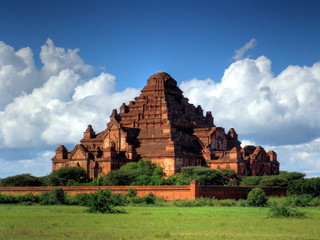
(40, 165)
(53, 105)
(55, 59)
(102, 85)
(239, 54)
(18, 74)
(58, 110)
(268, 109)
(301, 157)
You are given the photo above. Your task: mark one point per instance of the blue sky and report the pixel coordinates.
(254, 64)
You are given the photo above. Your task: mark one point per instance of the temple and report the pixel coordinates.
(161, 125)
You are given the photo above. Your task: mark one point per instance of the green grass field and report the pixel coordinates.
(71, 222)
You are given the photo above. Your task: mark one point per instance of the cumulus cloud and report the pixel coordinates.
(262, 107)
(18, 74)
(66, 101)
(240, 53)
(44, 107)
(55, 59)
(301, 157)
(39, 165)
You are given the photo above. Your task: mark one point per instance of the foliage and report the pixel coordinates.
(305, 186)
(251, 181)
(282, 211)
(304, 200)
(143, 172)
(132, 192)
(104, 202)
(21, 180)
(55, 197)
(201, 202)
(298, 200)
(65, 176)
(178, 179)
(282, 180)
(148, 199)
(82, 199)
(204, 176)
(257, 198)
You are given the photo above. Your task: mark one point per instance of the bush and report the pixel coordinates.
(257, 198)
(298, 200)
(82, 199)
(104, 202)
(200, 202)
(132, 192)
(55, 197)
(148, 199)
(305, 186)
(282, 211)
(7, 199)
(315, 202)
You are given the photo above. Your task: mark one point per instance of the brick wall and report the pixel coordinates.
(225, 192)
(191, 191)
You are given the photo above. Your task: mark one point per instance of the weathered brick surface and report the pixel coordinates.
(191, 191)
(163, 126)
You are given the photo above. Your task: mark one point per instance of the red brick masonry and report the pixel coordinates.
(191, 191)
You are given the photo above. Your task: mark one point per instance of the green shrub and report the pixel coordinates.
(55, 197)
(201, 202)
(28, 198)
(315, 202)
(242, 203)
(185, 203)
(302, 200)
(257, 198)
(8, 199)
(132, 192)
(277, 201)
(103, 202)
(305, 186)
(148, 199)
(227, 202)
(282, 211)
(82, 199)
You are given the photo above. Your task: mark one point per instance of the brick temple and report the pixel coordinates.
(161, 125)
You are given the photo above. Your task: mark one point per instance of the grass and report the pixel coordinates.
(71, 222)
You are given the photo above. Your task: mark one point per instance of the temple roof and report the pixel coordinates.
(161, 81)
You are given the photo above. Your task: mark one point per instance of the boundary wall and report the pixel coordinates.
(190, 192)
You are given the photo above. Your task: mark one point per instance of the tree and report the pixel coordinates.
(21, 180)
(204, 176)
(65, 176)
(257, 198)
(282, 180)
(143, 172)
(305, 186)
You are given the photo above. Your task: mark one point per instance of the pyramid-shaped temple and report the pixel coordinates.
(161, 125)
